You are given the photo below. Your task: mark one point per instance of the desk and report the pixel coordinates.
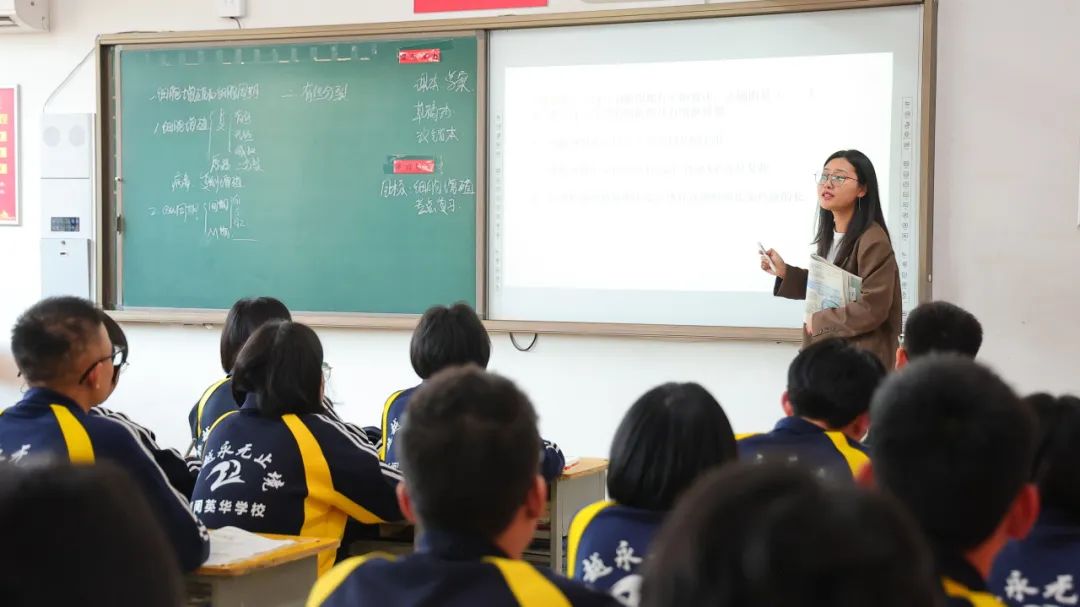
(281, 578)
(579, 486)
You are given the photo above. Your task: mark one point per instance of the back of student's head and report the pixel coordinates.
(281, 364)
(940, 326)
(50, 337)
(833, 382)
(245, 316)
(775, 536)
(668, 438)
(954, 443)
(1057, 469)
(447, 337)
(470, 451)
(81, 535)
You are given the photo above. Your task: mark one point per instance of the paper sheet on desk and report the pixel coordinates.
(231, 545)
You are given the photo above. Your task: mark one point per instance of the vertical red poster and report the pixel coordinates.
(9, 156)
(438, 6)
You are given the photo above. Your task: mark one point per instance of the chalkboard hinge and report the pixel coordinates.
(119, 224)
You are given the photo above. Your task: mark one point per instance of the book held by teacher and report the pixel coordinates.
(829, 286)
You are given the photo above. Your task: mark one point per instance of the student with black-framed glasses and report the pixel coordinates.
(64, 352)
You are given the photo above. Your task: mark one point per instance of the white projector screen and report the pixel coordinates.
(634, 167)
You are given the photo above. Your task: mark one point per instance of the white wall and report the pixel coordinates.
(1008, 155)
(1008, 167)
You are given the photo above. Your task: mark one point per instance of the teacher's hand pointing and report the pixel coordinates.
(777, 268)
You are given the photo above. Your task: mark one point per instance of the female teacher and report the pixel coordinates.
(851, 233)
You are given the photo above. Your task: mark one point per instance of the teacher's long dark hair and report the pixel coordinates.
(867, 209)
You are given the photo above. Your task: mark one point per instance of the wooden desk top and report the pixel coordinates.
(301, 548)
(586, 466)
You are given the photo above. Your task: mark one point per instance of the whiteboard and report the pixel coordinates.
(634, 167)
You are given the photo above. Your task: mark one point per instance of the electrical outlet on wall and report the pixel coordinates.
(229, 9)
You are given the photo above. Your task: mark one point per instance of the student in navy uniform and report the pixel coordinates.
(181, 472)
(245, 316)
(1044, 568)
(82, 535)
(956, 446)
(448, 337)
(470, 453)
(63, 350)
(939, 327)
(773, 535)
(827, 404)
(672, 435)
(281, 463)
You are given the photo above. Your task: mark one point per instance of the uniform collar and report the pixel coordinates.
(958, 569)
(45, 397)
(456, 546)
(797, 425)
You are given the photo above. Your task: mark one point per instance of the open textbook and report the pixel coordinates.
(829, 286)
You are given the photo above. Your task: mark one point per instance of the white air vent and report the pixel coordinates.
(24, 16)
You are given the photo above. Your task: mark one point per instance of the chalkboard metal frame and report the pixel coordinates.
(107, 273)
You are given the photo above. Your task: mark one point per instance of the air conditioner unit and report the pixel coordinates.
(24, 16)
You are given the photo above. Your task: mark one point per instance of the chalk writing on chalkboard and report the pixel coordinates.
(292, 148)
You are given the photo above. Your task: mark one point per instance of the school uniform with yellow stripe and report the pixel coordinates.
(48, 424)
(180, 471)
(452, 571)
(1045, 565)
(829, 454)
(295, 474)
(607, 547)
(962, 584)
(552, 460)
(216, 400)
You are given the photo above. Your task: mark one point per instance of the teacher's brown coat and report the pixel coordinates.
(872, 323)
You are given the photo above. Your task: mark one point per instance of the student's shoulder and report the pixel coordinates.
(111, 434)
(339, 439)
(401, 397)
(109, 425)
(594, 511)
(857, 445)
(227, 422)
(124, 420)
(978, 600)
(217, 399)
(222, 383)
(348, 583)
(216, 391)
(578, 594)
(747, 440)
(958, 595)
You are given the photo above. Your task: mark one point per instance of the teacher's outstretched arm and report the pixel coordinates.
(851, 233)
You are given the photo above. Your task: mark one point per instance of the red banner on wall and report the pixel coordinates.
(9, 155)
(438, 6)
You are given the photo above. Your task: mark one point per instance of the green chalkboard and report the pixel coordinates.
(337, 176)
